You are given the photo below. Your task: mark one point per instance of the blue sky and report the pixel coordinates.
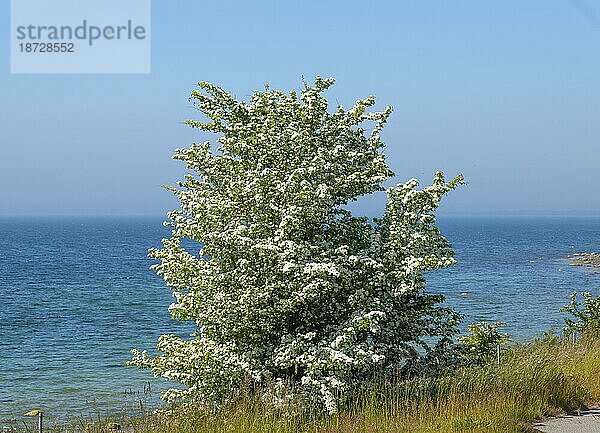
(505, 92)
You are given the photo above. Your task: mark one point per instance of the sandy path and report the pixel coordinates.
(588, 421)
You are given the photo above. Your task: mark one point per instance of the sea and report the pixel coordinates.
(77, 295)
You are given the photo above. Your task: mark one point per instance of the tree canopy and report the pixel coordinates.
(288, 285)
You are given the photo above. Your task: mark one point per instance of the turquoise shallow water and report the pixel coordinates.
(77, 295)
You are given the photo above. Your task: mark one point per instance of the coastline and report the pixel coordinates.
(587, 260)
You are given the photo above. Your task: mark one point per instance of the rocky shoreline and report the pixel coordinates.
(590, 260)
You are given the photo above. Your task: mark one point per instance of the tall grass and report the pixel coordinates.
(538, 379)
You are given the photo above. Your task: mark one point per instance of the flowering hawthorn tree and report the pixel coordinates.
(288, 285)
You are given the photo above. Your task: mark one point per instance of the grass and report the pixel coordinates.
(538, 379)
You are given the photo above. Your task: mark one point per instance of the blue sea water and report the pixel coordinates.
(77, 295)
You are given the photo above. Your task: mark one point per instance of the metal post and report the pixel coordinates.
(37, 412)
(498, 355)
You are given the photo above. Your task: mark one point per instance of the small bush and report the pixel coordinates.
(480, 346)
(586, 314)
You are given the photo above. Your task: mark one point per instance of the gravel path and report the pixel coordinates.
(587, 421)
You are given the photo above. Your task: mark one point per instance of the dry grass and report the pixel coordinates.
(538, 379)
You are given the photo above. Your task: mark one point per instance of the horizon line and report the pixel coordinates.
(557, 214)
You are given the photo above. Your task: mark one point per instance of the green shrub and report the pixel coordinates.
(480, 345)
(586, 314)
